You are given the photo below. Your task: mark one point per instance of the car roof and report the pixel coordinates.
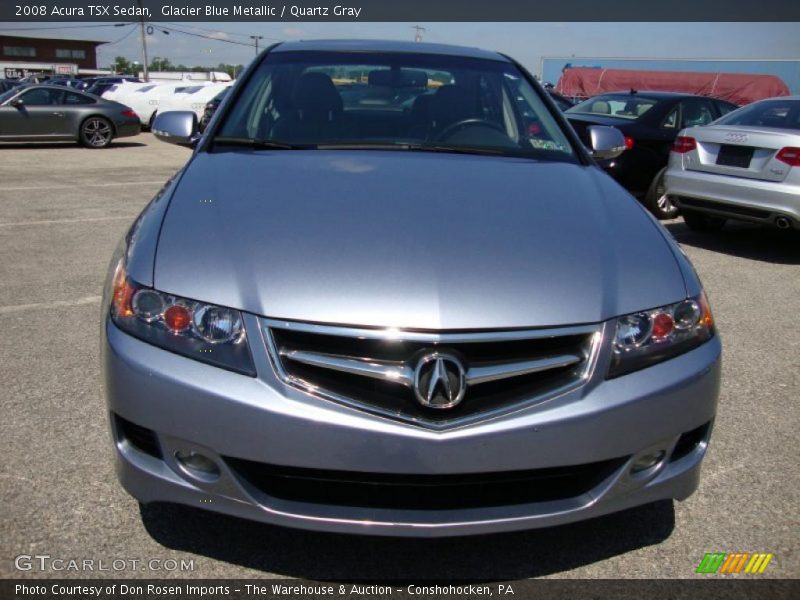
(793, 98)
(655, 94)
(386, 46)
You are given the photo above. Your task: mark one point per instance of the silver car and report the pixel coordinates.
(744, 166)
(377, 301)
(54, 113)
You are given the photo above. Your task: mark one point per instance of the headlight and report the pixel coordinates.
(205, 332)
(645, 338)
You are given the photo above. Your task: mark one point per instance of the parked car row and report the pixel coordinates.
(650, 122)
(147, 99)
(697, 155)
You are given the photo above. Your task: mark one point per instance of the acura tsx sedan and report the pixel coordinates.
(402, 311)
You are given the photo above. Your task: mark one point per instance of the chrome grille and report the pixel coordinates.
(377, 370)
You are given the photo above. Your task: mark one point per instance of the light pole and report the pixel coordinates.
(256, 38)
(144, 40)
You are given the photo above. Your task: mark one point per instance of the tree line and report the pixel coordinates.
(124, 66)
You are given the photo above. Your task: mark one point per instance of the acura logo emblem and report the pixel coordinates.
(439, 380)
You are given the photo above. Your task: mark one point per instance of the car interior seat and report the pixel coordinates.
(451, 104)
(601, 107)
(317, 111)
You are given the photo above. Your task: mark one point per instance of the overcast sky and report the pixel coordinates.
(527, 42)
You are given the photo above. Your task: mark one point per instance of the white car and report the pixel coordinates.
(146, 100)
(119, 91)
(193, 98)
(744, 166)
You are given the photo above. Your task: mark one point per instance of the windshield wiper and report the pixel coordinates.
(458, 149)
(259, 143)
(410, 146)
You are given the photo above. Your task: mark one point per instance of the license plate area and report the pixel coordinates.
(735, 156)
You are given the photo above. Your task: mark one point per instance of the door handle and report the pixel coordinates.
(58, 114)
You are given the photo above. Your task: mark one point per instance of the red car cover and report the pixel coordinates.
(739, 88)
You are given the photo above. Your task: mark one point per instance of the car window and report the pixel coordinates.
(72, 98)
(724, 108)
(696, 112)
(400, 100)
(41, 97)
(671, 120)
(626, 106)
(780, 114)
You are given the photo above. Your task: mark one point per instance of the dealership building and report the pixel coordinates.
(24, 56)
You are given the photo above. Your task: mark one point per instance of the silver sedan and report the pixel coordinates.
(54, 113)
(744, 166)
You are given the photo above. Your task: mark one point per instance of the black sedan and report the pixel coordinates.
(650, 121)
(211, 108)
(99, 85)
(55, 113)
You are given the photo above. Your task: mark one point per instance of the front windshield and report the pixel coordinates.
(627, 106)
(394, 101)
(781, 114)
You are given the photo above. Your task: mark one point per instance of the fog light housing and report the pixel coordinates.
(647, 461)
(197, 465)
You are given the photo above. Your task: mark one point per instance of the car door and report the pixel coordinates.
(72, 105)
(37, 115)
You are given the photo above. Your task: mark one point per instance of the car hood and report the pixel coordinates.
(410, 239)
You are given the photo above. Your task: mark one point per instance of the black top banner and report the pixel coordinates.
(401, 10)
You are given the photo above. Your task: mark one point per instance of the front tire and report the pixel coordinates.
(96, 132)
(657, 200)
(700, 222)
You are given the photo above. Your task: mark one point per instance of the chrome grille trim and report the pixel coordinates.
(394, 333)
(403, 374)
(367, 367)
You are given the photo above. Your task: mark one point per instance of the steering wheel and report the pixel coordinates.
(463, 124)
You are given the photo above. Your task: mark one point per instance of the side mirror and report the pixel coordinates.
(607, 142)
(176, 127)
(16, 103)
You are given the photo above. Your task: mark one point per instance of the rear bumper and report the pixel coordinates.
(128, 128)
(733, 197)
(188, 406)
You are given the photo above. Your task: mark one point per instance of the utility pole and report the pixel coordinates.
(418, 34)
(144, 40)
(256, 38)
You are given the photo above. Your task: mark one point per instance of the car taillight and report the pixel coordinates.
(628, 142)
(130, 113)
(790, 156)
(683, 144)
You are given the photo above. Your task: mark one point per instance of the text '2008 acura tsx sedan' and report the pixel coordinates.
(375, 301)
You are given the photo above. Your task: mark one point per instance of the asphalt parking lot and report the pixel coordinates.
(62, 211)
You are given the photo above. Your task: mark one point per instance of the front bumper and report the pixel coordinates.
(734, 197)
(190, 406)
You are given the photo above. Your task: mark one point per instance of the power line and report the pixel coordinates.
(127, 35)
(205, 37)
(220, 31)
